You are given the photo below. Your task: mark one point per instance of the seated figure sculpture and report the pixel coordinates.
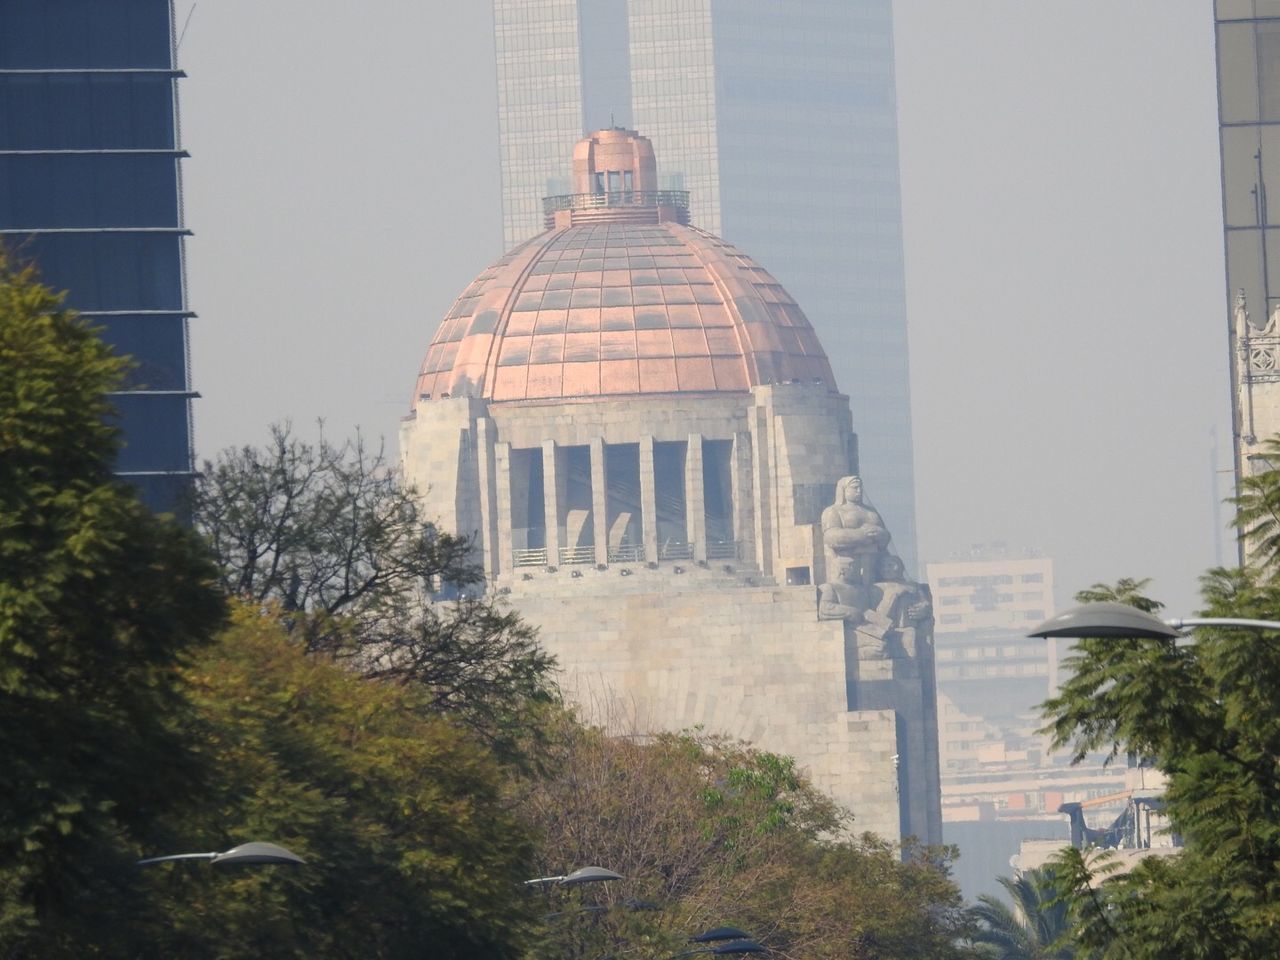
(904, 604)
(866, 585)
(849, 595)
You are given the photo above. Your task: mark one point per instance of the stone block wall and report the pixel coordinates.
(727, 653)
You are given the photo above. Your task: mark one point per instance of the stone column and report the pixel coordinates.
(551, 484)
(648, 500)
(502, 469)
(599, 500)
(740, 472)
(694, 505)
(487, 478)
(762, 487)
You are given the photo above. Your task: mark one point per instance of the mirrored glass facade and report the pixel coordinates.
(1248, 40)
(780, 119)
(673, 68)
(539, 106)
(90, 190)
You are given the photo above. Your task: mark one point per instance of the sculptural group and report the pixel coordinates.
(866, 584)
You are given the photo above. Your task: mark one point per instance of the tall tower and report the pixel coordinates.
(780, 119)
(1248, 44)
(90, 189)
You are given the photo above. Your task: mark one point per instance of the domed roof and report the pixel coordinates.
(610, 309)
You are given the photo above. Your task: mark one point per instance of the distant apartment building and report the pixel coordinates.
(780, 119)
(992, 591)
(999, 786)
(90, 189)
(990, 674)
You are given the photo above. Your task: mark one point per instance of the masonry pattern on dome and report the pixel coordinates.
(621, 309)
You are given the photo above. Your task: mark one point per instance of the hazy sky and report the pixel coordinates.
(1063, 247)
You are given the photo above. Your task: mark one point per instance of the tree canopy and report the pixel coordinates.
(710, 832)
(1033, 925)
(329, 536)
(1205, 714)
(406, 822)
(101, 604)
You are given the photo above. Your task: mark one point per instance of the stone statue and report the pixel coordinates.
(1241, 316)
(866, 585)
(847, 593)
(849, 526)
(907, 606)
(1244, 322)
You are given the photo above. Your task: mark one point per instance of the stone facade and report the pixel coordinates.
(716, 630)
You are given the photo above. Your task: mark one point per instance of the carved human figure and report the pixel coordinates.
(893, 592)
(867, 586)
(850, 526)
(1240, 313)
(845, 595)
(906, 605)
(1245, 324)
(850, 597)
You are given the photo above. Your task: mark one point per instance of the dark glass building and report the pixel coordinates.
(780, 119)
(90, 189)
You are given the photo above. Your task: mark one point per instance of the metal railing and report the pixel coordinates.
(722, 550)
(627, 553)
(530, 558)
(618, 198)
(569, 555)
(675, 550)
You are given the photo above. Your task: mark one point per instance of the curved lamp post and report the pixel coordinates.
(578, 877)
(255, 852)
(1107, 619)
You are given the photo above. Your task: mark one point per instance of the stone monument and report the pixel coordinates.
(885, 614)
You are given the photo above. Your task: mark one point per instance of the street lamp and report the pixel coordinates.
(247, 853)
(578, 877)
(1107, 619)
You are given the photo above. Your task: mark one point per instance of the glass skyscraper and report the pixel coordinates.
(780, 119)
(90, 190)
(1248, 45)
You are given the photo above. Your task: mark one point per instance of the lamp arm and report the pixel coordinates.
(177, 856)
(1223, 622)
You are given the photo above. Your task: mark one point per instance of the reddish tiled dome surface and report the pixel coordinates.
(616, 309)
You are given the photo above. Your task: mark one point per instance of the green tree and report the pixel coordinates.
(711, 832)
(100, 604)
(412, 843)
(1205, 713)
(1257, 519)
(330, 537)
(1036, 927)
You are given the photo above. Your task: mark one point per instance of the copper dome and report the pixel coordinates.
(612, 309)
